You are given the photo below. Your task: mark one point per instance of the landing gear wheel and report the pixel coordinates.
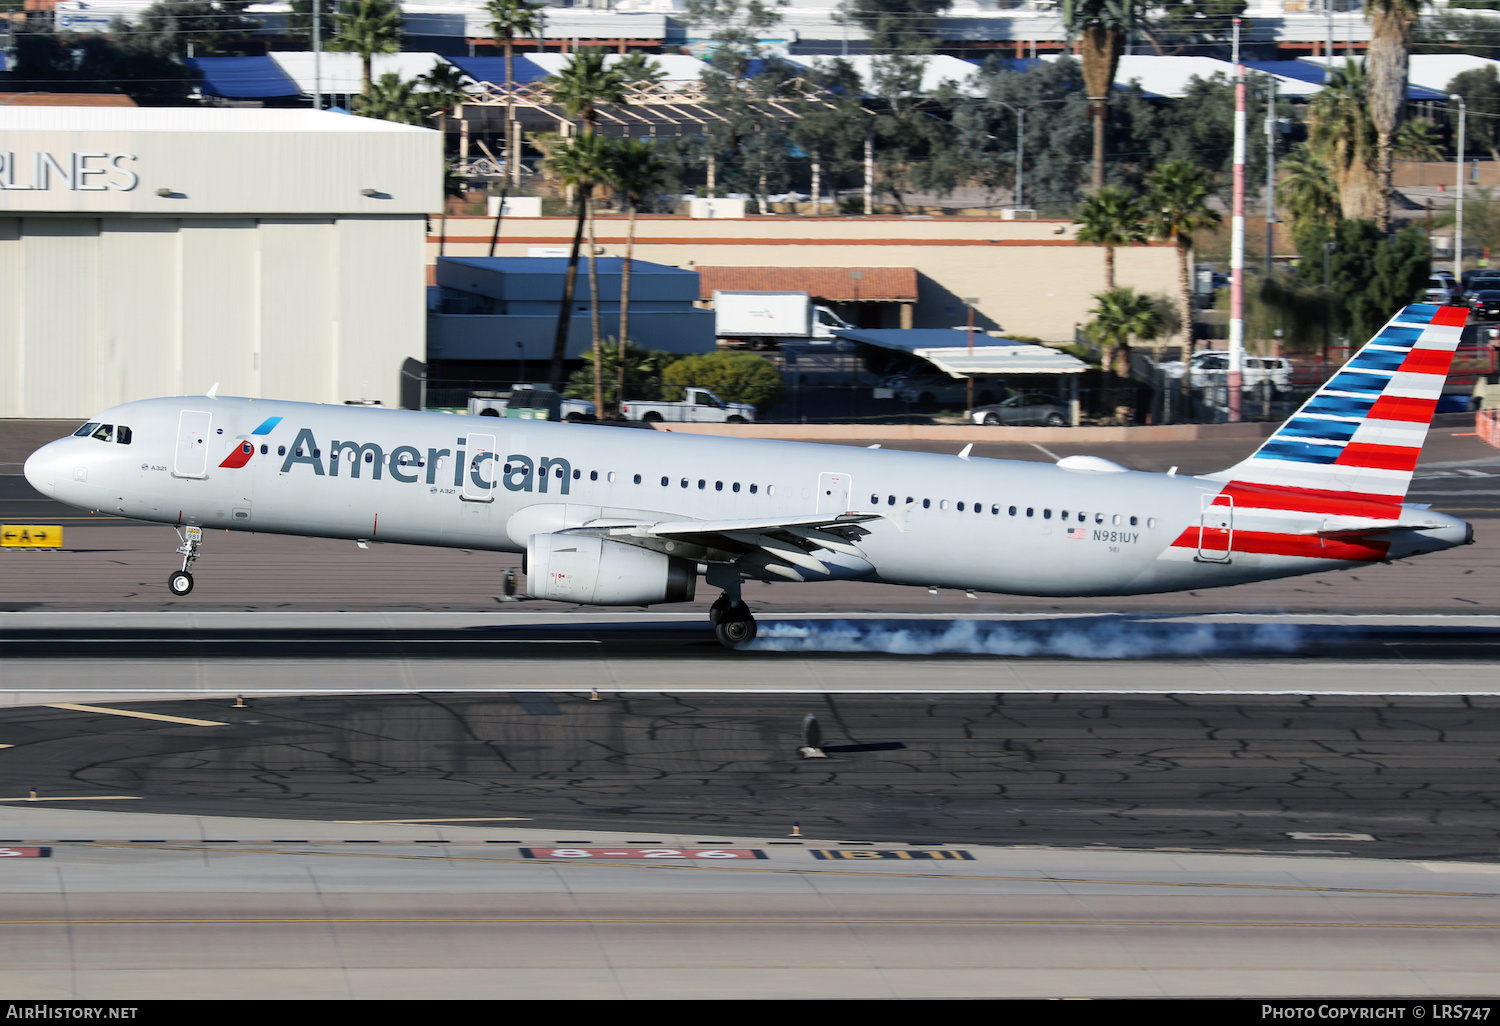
(180, 583)
(717, 610)
(733, 633)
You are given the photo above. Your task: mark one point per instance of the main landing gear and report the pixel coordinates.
(181, 581)
(733, 624)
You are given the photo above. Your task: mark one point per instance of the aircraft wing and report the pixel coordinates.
(815, 545)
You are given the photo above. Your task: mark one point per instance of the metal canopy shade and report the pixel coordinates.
(948, 350)
(243, 78)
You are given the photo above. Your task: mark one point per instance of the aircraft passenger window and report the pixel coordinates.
(317, 454)
(86, 430)
(663, 482)
(978, 507)
(701, 484)
(943, 504)
(754, 488)
(684, 482)
(299, 454)
(370, 458)
(960, 507)
(264, 449)
(247, 447)
(875, 499)
(1098, 518)
(122, 435)
(1013, 511)
(1132, 521)
(995, 509)
(1030, 512)
(890, 500)
(770, 489)
(637, 479)
(736, 486)
(1151, 522)
(593, 475)
(1083, 517)
(281, 450)
(1046, 514)
(104, 432)
(610, 477)
(926, 503)
(1116, 519)
(718, 486)
(910, 500)
(559, 473)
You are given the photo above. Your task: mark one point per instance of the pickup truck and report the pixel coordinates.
(526, 402)
(699, 406)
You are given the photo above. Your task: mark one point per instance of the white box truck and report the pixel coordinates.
(762, 320)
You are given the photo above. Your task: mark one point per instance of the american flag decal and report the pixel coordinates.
(1078, 533)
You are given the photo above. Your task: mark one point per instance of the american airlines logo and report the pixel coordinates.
(410, 465)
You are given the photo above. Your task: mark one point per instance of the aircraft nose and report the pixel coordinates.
(39, 469)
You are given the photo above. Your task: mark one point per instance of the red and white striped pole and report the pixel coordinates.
(1237, 240)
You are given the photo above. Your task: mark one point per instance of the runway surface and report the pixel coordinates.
(174, 906)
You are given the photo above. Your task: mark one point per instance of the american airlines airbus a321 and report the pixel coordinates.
(628, 517)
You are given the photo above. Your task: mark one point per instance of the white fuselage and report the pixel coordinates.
(439, 479)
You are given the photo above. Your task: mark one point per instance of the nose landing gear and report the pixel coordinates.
(181, 581)
(733, 624)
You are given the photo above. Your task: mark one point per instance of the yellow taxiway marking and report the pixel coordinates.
(814, 868)
(81, 798)
(137, 715)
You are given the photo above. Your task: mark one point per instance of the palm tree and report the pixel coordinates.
(580, 164)
(634, 171)
(583, 84)
(1111, 217)
(1307, 191)
(443, 89)
(391, 99)
(1417, 139)
(368, 27)
(1177, 208)
(1391, 23)
(1342, 135)
(510, 19)
(1101, 27)
(1119, 316)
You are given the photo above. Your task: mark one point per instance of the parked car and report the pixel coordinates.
(1439, 288)
(1486, 303)
(1212, 365)
(1026, 408)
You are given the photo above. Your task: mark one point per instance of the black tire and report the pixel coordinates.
(576, 418)
(736, 419)
(489, 412)
(992, 419)
(716, 611)
(652, 418)
(1055, 420)
(180, 583)
(736, 631)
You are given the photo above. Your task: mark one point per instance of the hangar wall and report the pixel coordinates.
(278, 253)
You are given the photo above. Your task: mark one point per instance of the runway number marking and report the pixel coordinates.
(950, 854)
(642, 853)
(26, 853)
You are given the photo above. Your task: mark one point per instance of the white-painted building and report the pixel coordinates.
(148, 252)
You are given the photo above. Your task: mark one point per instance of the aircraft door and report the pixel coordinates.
(1216, 529)
(833, 493)
(191, 459)
(482, 474)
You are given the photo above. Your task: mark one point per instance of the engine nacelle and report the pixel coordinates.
(589, 569)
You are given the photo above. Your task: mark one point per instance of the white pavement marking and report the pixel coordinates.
(137, 715)
(80, 798)
(1046, 451)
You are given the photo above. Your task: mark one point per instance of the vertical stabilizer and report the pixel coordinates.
(1358, 438)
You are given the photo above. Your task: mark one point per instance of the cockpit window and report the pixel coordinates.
(122, 435)
(104, 432)
(86, 430)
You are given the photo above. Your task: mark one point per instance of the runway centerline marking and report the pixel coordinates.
(134, 714)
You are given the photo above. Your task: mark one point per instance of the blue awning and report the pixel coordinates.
(1306, 71)
(492, 69)
(243, 78)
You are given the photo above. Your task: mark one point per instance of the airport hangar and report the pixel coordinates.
(156, 251)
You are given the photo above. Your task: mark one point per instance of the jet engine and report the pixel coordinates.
(589, 569)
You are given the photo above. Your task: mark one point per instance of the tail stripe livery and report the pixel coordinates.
(1343, 462)
(1360, 435)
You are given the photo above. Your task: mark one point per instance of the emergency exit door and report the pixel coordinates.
(833, 493)
(191, 459)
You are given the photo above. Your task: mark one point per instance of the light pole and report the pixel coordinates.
(969, 301)
(1020, 113)
(1458, 224)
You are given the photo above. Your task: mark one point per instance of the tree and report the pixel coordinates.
(733, 377)
(390, 98)
(832, 136)
(1120, 315)
(637, 68)
(1111, 217)
(510, 20)
(583, 84)
(735, 29)
(442, 89)
(1101, 28)
(1177, 26)
(368, 27)
(1391, 23)
(1418, 139)
(898, 26)
(1177, 208)
(1371, 275)
(208, 26)
(1341, 134)
(634, 171)
(148, 68)
(1480, 89)
(299, 19)
(580, 164)
(641, 375)
(1307, 191)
